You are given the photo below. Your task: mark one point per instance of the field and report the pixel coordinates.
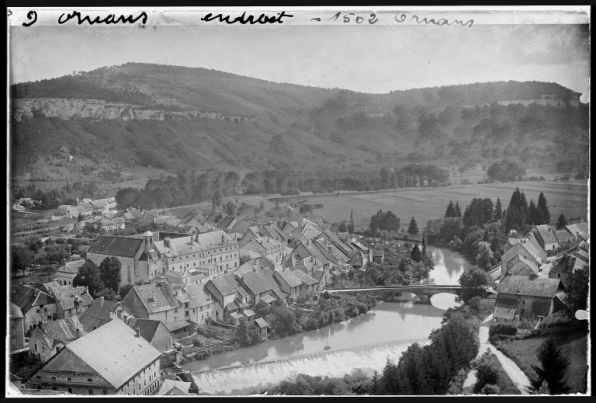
(573, 344)
(430, 203)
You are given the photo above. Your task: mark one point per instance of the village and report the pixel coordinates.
(187, 286)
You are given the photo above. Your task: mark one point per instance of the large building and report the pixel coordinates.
(36, 306)
(145, 257)
(112, 360)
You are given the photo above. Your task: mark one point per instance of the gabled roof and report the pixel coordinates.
(198, 294)
(305, 278)
(62, 330)
(72, 267)
(66, 295)
(26, 297)
(547, 233)
(147, 327)
(226, 222)
(564, 236)
(262, 323)
(226, 284)
(289, 278)
(505, 307)
(115, 246)
(156, 297)
(259, 282)
(97, 314)
(15, 312)
(580, 228)
(338, 243)
(523, 267)
(171, 387)
(114, 352)
(529, 286)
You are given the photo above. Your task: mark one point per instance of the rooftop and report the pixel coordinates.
(529, 286)
(115, 246)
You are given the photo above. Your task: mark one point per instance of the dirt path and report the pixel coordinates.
(518, 377)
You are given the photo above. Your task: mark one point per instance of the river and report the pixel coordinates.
(364, 342)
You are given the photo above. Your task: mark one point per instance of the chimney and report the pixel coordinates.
(138, 332)
(101, 299)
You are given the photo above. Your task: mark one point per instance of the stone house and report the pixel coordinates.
(84, 366)
(35, 305)
(49, 338)
(266, 247)
(309, 286)
(70, 301)
(101, 312)
(260, 283)
(288, 282)
(66, 274)
(229, 295)
(528, 297)
(154, 331)
(545, 234)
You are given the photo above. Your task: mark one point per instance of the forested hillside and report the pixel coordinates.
(296, 127)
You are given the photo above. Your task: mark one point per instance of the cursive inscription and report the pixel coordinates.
(110, 19)
(440, 22)
(250, 19)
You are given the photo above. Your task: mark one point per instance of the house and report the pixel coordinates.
(35, 305)
(112, 360)
(333, 254)
(60, 215)
(50, 337)
(200, 250)
(306, 231)
(579, 230)
(17, 327)
(101, 206)
(229, 296)
(563, 268)
(66, 274)
(545, 234)
(520, 266)
(531, 297)
(112, 224)
(262, 325)
(156, 301)
(70, 301)
(526, 248)
(310, 285)
(378, 256)
(140, 258)
(83, 209)
(202, 302)
(269, 248)
(260, 283)
(250, 234)
(154, 331)
(174, 388)
(198, 275)
(227, 223)
(288, 282)
(101, 312)
(564, 238)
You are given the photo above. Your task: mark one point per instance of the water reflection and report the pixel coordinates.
(449, 265)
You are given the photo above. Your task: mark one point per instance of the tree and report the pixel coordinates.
(217, 198)
(124, 290)
(90, 277)
(413, 228)
(505, 171)
(245, 334)
(485, 255)
(351, 224)
(552, 369)
(561, 221)
(305, 208)
(416, 254)
(110, 271)
(450, 212)
(473, 282)
(342, 226)
(457, 210)
(543, 207)
(498, 215)
(536, 216)
(576, 291)
(21, 258)
(230, 208)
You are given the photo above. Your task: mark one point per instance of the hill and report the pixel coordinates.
(173, 118)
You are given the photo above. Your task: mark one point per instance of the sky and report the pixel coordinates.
(371, 59)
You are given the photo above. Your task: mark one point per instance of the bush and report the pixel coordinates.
(196, 342)
(490, 389)
(503, 328)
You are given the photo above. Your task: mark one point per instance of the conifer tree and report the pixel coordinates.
(543, 207)
(561, 221)
(351, 224)
(457, 209)
(413, 228)
(552, 369)
(416, 254)
(450, 210)
(498, 211)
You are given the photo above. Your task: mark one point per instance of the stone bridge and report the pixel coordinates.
(424, 291)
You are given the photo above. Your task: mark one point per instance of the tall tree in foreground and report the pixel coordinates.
(413, 228)
(576, 291)
(561, 221)
(90, 277)
(552, 369)
(543, 207)
(110, 269)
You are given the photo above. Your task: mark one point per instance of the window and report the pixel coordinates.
(38, 310)
(54, 388)
(69, 379)
(90, 391)
(69, 390)
(523, 302)
(105, 392)
(89, 380)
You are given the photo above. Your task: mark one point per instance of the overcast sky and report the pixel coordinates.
(373, 59)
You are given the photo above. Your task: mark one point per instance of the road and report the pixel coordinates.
(517, 376)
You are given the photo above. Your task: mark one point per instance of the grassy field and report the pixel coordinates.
(429, 203)
(573, 344)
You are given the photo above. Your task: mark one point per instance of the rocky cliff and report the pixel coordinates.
(68, 108)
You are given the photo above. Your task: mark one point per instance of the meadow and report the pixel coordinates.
(429, 203)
